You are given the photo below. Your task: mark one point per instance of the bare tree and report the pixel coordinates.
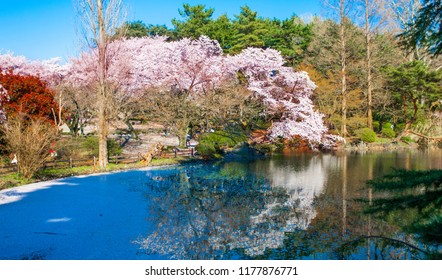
(231, 103)
(30, 140)
(402, 20)
(78, 108)
(340, 11)
(402, 17)
(100, 21)
(215, 109)
(343, 67)
(171, 108)
(375, 17)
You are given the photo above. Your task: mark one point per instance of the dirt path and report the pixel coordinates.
(145, 142)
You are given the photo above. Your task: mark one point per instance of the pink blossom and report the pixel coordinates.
(283, 91)
(194, 66)
(51, 71)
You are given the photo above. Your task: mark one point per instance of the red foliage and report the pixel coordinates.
(296, 144)
(27, 94)
(260, 136)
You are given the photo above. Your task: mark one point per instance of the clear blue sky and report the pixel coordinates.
(43, 29)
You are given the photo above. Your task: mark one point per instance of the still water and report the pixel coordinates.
(305, 206)
(301, 206)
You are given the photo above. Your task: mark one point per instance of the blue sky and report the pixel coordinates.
(43, 29)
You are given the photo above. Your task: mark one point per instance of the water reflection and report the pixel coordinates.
(204, 212)
(296, 207)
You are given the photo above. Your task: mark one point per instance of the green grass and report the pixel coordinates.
(14, 179)
(382, 140)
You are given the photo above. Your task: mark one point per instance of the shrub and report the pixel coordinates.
(366, 135)
(399, 127)
(406, 139)
(388, 132)
(375, 125)
(266, 148)
(90, 144)
(30, 140)
(207, 150)
(211, 144)
(387, 125)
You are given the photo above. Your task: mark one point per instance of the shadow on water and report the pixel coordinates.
(293, 207)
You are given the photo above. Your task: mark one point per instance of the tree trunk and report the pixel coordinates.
(182, 136)
(368, 61)
(102, 138)
(102, 90)
(343, 71)
(100, 20)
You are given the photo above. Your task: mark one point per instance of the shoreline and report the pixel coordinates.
(378, 147)
(10, 181)
(13, 181)
(12, 194)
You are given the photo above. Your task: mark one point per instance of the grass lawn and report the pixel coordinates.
(14, 179)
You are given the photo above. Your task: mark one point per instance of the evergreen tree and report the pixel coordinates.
(290, 36)
(195, 23)
(249, 30)
(413, 85)
(426, 28)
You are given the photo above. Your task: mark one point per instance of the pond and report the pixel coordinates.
(302, 206)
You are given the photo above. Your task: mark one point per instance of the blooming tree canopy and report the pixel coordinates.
(50, 71)
(195, 67)
(283, 91)
(139, 63)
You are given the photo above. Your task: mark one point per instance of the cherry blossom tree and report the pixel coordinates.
(197, 66)
(286, 94)
(50, 71)
(190, 67)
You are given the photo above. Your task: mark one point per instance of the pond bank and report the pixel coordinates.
(378, 147)
(271, 208)
(14, 180)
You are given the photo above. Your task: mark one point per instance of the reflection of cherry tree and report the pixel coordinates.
(302, 186)
(204, 213)
(307, 180)
(200, 214)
